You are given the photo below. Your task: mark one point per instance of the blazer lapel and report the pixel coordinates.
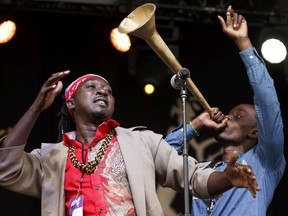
(128, 143)
(54, 159)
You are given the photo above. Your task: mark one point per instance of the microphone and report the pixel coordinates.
(179, 79)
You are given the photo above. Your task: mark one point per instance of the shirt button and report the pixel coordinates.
(100, 211)
(97, 187)
(251, 56)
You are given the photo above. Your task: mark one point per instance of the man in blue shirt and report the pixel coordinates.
(255, 131)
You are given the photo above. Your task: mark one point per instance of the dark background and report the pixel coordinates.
(57, 37)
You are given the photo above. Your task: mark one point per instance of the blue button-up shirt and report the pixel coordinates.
(266, 158)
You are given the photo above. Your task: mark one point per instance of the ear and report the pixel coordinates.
(70, 104)
(253, 134)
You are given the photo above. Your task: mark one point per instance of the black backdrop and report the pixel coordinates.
(49, 42)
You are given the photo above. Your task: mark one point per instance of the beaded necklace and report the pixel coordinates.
(91, 166)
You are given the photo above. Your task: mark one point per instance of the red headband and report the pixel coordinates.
(71, 89)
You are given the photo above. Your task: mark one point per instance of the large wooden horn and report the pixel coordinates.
(141, 23)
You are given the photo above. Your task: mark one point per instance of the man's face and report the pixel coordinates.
(241, 122)
(93, 100)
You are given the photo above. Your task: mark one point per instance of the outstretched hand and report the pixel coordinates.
(236, 28)
(50, 89)
(241, 176)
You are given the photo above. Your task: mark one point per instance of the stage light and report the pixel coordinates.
(7, 31)
(149, 88)
(274, 50)
(120, 41)
(273, 42)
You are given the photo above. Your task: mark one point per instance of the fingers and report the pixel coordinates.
(222, 124)
(230, 16)
(240, 19)
(253, 192)
(52, 82)
(51, 88)
(219, 117)
(237, 20)
(216, 113)
(53, 85)
(242, 176)
(233, 19)
(253, 185)
(251, 180)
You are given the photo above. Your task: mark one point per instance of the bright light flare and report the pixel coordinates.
(149, 89)
(274, 51)
(121, 41)
(7, 31)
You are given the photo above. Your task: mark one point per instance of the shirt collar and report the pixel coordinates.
(102, 130)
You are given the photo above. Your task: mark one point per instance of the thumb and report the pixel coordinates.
(58, 87)
(233, 159)
(222, 21)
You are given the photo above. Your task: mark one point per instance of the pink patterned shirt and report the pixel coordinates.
(106, 191)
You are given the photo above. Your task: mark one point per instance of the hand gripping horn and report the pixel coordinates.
(141, 23)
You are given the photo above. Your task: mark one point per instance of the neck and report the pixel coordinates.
(85, 133)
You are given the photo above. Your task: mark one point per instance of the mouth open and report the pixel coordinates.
(101, 102)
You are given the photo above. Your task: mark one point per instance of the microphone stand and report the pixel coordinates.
(178, 81)
(183, 95)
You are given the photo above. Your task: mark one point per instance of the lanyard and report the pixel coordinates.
(82, 175)
(213, 201)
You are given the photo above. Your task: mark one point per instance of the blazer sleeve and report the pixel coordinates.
(169, 167)
(16, 165)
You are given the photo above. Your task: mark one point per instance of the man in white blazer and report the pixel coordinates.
(98, 167)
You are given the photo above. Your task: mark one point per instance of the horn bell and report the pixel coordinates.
(140, 22)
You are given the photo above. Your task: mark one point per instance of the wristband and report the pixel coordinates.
(193, 128)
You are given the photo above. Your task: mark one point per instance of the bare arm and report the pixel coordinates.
(21, 131)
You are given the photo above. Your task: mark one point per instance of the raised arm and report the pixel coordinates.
(21, 131)
(269, 120)
(236, 28)
(203, 122)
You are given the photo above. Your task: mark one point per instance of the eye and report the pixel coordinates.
(109, 91)
(238, 116)
(90, 86)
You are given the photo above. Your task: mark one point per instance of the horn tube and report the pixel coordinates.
(141, 23)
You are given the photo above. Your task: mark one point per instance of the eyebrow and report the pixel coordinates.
(246, 112)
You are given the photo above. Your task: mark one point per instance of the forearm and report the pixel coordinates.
(243, 43)
(218, 183)
(175, 138)
(21, 131)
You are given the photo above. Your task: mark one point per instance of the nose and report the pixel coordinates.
(102, 92)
